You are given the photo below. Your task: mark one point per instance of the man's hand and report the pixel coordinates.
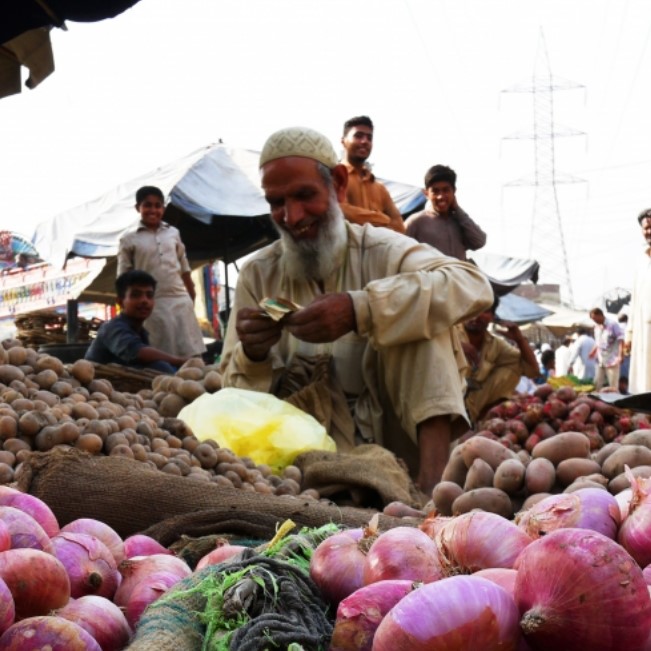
(326, 319)
(471, 353)
(627, 348)
(257, 332)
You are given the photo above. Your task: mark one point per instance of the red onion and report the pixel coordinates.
(145, 592)
(635, 532)
(100, 530)
(402, 553)
(136, 569)
(24, 530)
(219, 555)
(33, 506)
(504, 577)
(38, 581)
(141, 545)
(360, 613)
(336, 565)
(646, 573)
(48, 632)
(7, 607)
(101, 618)
(5, 537)
(478, 540)
(586, 508)
(433, 523)
(89, 563)
(578, 589)
(459, 613)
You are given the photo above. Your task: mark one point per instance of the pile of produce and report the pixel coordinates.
(45, 404)
(532, 446)
(569, 576)
(77, 587)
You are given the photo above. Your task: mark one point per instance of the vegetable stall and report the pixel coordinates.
(120, 528)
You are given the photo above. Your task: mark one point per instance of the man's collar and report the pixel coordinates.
(366, 170)
(142, 227)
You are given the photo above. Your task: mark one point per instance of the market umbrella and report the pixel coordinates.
(25, 34)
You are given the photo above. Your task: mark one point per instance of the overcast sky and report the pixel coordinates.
(170, 76)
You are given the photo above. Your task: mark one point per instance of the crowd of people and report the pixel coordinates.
(405, 324)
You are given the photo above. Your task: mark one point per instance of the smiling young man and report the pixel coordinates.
(445, 226)
(124, 340)
(379, 304)
(367, 201)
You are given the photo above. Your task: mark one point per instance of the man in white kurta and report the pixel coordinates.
(157, 249)
(638, 332)
(380, 303)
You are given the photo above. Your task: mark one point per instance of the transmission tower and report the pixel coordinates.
(547, 241)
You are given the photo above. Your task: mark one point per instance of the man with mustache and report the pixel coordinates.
(381, 305)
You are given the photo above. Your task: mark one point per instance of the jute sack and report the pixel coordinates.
(368, 475)
(130, 497)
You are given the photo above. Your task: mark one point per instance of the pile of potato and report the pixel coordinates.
(45, 403)
(534, 446)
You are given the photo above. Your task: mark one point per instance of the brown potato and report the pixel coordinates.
(628, 455)
(565, 445)
(171, 404)
(206, 454)
(15, 445)
(83, 370)
(533, 499)
(31, 423)
(51, 363)
(583, 483)
(493, 500)
(190, 373)
(492, 452)
(8, 427)
(509, 476)
(46, 378)
(16, 356)
(90, 443)
(444, 494)
(480, 475)
(103, 386)
(456, 468)
(6, 473)
(84, 410)
(7, 457)
(212, 381)
(569, 470)
(190, 390)
(115, 439)
(47, 438)
(540, 476)
(601, 455)
(638, 437)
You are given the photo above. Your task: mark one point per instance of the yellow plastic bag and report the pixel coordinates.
(256, 425)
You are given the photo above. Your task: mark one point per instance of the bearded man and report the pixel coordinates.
(381, 305)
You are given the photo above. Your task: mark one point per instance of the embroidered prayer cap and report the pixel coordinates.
(643, 214)
(299, 141)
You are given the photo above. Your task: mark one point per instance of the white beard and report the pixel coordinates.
(319, 258)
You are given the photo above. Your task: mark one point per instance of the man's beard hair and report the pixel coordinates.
(319, 258)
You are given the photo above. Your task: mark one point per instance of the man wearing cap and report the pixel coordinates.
(381, 305)
(444, 225)
(638, 329)
(367, 200)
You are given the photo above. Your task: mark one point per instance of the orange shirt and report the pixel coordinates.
(368, 201)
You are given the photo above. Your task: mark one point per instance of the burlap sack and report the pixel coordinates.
(130, 497)
(309, 384)
(368, 475)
